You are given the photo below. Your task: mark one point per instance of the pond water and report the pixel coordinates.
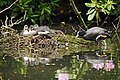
(84, 63)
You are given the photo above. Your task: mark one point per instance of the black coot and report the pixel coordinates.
(94, 34)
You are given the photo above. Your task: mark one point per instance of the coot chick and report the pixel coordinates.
(25, 31)
(28, 31)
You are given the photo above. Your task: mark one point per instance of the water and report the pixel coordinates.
(88, 62)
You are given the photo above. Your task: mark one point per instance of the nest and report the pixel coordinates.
(15, 40)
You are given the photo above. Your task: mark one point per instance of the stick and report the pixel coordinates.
(8, 7)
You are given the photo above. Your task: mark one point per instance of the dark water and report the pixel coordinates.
(87, 63)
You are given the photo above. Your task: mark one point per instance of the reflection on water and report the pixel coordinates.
(82, 65)
(31, 56)
(62, 75)
(35, 61)
(100, 62)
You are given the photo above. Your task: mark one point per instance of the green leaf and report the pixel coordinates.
(57, 5)
(93, 1)
(28, 1)
(112, 7)
(20, 2)
(104, 5)
(109, 7)
(48, 9)
(90, 11)
(90, 4)
(33, 21)
(108, 12)
(35, 15)
(91, 16)
(105, 11)
(54, 1)
(97, 15)
(42, 12)
(30, 11)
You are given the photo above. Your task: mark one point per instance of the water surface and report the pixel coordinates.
(88, 62)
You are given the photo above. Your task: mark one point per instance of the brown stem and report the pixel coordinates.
(78, 13)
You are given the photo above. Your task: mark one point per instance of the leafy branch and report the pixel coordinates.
(96, 7)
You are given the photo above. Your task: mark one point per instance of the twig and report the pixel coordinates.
(80, 28)
(114, 26)
(11, 23)
(6, 21)
(78, 13)
(73, 28)
(8, 7)
(22, 19)
(118, 24)
(104, 21)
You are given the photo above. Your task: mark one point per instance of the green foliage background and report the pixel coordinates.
(36, 10)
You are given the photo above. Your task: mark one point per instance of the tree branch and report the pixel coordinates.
(8, 7)
(78, 13)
